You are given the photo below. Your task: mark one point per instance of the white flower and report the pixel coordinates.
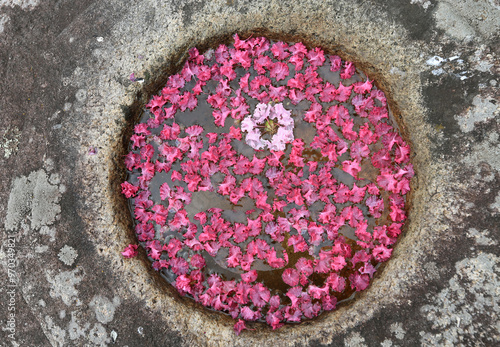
(247, 124)
(263, 113)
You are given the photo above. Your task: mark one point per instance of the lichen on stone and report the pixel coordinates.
(63, 285)
(33, 197)
(104, 308)
(67, 255)
(472, 292)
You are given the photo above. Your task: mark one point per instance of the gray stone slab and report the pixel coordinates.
(65, 105)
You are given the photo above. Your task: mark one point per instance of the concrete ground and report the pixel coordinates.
(66, 93)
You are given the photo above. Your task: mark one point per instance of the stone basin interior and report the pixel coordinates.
(136, 113)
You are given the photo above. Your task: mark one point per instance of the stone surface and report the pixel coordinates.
(66, 102)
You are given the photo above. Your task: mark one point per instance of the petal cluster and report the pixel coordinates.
(225, 211)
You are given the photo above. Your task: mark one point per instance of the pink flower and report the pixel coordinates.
(309, 309)
(201, 216)
(359, 150)
(259, 295)
(294, 294)
(137, 141)
(259, 248)
(227, 185)
(382, 128)
(258, 82)
(132, 160)
(220, 116)
(182, 283)
(239, 326)
(156, 103)
(217, 101)
(377, 114)
(298, 243)
(197, 261)
(273, 261)
(274, 319)
(279, 71)
(293, 314)
(176, 81)
(290, 277)
(130, 251)
(336, 282)
(194, 130)
(328, 213)
(254, 227)
(179, 266)
(402, 154)
(363, 87)
(328, 93)
(397, 214)
(256, 166)
(366, 135)
(375, 206)
(296, 96)
(381, 253)
(298, 49)
(343, 93)
(323, 264)
(351, 167)
(277, 94)
(335, 63)
(338, 263)
(386, 181)
(254, 140)
(172, 247)
(312, 91)
(297, 82)
(368, 269)
(407, 172)
(359, 282)
(176, 176)
(315, 233)
(192, 182)
(240, 233)
(316, 57)
(347, 131)
(318, 292)
(298, 61)
(391, 139)
(403, 186)
(329, 302)
(339, 114)
(279, 50)
(263, 61)
(234, 258)
(394, 229)
(314, 112)
(249, 276)
(129, 190)
(361, 232)
(188, 100)
(298, 53)
(357, 194)
(381, 159)
(348, 70)
(241, 57)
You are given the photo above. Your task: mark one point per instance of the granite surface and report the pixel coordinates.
(67, 104)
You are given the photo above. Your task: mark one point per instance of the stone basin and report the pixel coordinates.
(67, 100)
